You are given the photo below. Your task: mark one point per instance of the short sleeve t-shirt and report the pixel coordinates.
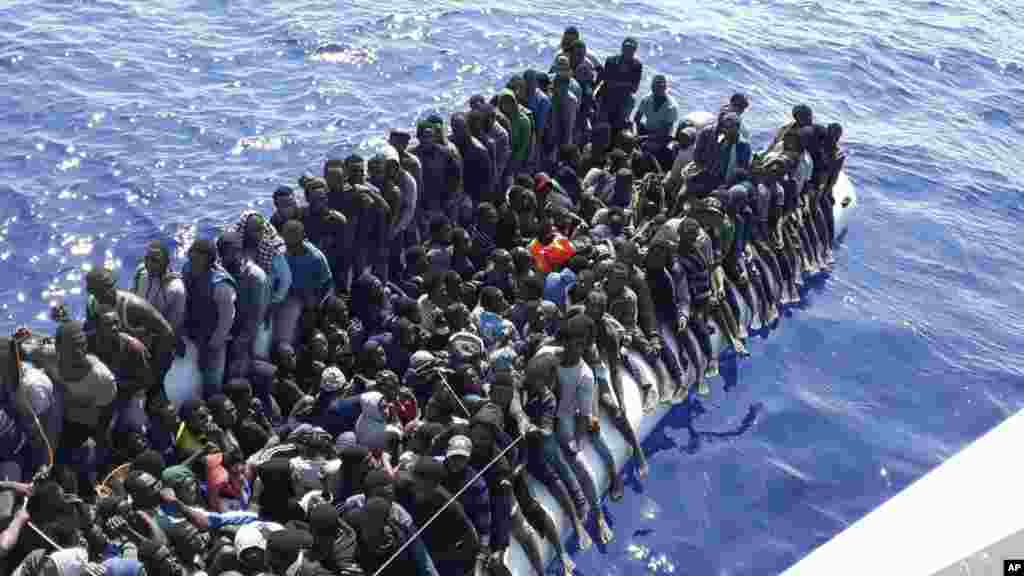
(233, 492)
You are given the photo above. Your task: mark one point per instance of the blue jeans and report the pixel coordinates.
(547, 463)
(212, 363)
(286, 321)
(424, 564)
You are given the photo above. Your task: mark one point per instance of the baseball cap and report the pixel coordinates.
(459, 445)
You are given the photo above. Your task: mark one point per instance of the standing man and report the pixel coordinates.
(621, 78)
(253, 299)
(209, 312)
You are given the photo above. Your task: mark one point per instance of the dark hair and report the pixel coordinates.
(433, 280)
(532, 287)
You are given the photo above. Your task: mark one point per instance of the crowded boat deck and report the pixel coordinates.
(439, 359)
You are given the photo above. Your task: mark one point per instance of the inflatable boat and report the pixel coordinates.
(183, 382)
(516, 559)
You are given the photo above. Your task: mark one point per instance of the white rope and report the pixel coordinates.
(446, 505)
(454, 395)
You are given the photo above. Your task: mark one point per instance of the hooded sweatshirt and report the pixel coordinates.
(371, 428)
(522, 128)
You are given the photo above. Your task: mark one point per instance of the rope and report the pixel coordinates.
(456, 396)
(446, 505)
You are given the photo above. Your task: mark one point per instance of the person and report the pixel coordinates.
(375, 220)
(263, 245)
(605, 359)
(286, 207)
(89, 389)
(521, 133)
(539, 103)
(576, 407)
(477, 167)
(129, 360)
(803, 117)
(720, 158)
(163, 288)
(326, 228)
(565, 104)
(656, 118)
(253, 298)
(209, 312)
(404, 204)
(137, 317)
(493, 130)
(685, 138)
(442, 174)
(621, 78)
(312, 281)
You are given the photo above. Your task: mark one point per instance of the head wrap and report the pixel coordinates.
(271, 244)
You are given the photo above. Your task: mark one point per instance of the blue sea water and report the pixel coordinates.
(126, 121)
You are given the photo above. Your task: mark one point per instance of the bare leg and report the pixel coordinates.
(526, 534)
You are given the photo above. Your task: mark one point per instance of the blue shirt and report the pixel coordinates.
(540, 104)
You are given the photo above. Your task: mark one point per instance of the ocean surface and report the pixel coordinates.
(127, 121)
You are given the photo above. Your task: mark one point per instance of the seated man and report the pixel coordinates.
(655, 118)
(312, 281)
(720, 158)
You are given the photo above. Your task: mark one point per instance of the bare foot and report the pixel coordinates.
(584, 538)
(568, 566)
(606, 532)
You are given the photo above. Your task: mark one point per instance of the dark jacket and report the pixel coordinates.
(202, 311)
(442, 172)
(477, 169)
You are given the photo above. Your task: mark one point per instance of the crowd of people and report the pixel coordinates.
(383, 363)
